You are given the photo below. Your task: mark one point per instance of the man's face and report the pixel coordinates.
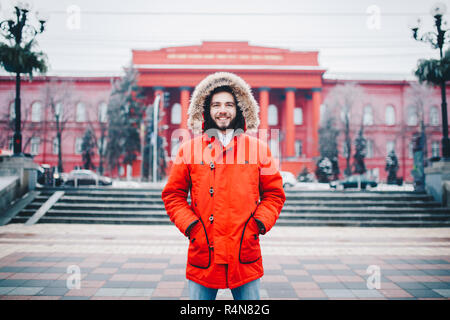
(223, 110)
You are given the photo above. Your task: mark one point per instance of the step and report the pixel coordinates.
(365, 203)
(371, 223)
(94, 220)
(379, 209)
(367, 216)
(115, 214)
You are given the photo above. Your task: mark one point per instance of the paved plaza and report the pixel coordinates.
(68, 261)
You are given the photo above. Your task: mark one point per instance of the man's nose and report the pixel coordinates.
(222, 108)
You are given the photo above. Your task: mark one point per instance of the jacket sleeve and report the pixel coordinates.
(271, 192)
(175, 195)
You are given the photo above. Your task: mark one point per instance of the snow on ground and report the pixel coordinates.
(298, 186)
(326, 186)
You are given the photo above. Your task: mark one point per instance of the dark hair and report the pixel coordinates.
(239, 121)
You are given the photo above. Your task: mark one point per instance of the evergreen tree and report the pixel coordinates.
(360, 152)
(125, 111)
(88, 146)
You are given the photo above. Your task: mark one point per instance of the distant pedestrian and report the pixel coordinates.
(236, 191)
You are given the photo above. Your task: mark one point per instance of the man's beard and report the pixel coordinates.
(231, 125)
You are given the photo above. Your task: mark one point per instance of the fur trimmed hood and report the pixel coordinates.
(242, 91)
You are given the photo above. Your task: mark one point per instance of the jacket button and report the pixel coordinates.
(211, 165)
(211, 218)
(211, 191)
(210, 145)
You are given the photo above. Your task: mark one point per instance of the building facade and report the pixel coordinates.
(290, 87)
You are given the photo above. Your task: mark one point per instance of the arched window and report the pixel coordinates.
(298, 116)
(390, 145)
(59, 111)
(80, 112)
(369, 149)
(272, 115)
(36, 111)
(12, 111)
(368, 115)
(434, 116)
(411, 116)
(389, 115)
(102, 112)
(175, 114)
(55, 146)
(34, 147)
(323, 109)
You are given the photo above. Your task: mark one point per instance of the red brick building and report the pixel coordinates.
(290, 87)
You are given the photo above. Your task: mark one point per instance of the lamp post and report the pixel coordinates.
(437, 40)
(18, 31)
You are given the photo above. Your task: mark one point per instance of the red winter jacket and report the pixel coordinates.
(231, 189)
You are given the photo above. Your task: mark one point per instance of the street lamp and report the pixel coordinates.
(437, 41)
(19, 59)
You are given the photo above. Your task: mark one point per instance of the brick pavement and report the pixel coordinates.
(148, 262)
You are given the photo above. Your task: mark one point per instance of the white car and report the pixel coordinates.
(288, 179)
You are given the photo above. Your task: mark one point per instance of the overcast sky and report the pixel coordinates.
(360, 36)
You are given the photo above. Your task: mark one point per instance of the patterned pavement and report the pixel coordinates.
(45, 261)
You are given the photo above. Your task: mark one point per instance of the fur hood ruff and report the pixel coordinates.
(242, 91)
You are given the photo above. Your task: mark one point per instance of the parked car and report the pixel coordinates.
(352, 182)
(288, 179)
(86, 177)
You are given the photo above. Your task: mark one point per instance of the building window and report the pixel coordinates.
(368, 115)
(274, 147)
(36, 110)
(174, 145)
(59, 111)
(102, 112)
(298, 116)
(390, 145)
(78, 142)
(272, 115)
(344, 150)
(80, 112)
(298, 148)
(410, 150)
(390, 115)
(55, 146)
(175, 114)
(435, 149)
(434, 116)
(12, 111)
(101, 147)
(412, 116)
(369, 149)
(35, 143)
(323, 109)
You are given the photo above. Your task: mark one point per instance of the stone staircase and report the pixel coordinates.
(302, 208)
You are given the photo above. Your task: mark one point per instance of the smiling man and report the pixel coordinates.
(232, 201)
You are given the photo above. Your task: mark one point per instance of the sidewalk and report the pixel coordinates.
(148, 262)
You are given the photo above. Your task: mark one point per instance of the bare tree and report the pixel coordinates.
(342, 101)
(58, 96)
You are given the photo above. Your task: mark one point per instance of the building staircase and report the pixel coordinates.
(106, 205)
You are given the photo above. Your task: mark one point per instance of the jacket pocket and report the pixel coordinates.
(249, 248)
(199, 253)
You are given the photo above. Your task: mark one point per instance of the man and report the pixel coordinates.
(236, 190)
